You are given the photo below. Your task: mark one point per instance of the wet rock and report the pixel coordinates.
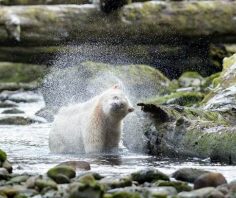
(3, 173)
(134, 189)
(178, 185)
(147, 191)
(18, 179)
(86, 187)
(76, 165)
(11, 191)
(7, 165)
(116, 183)
(7, 105)
(61, 174)
(223, 189)
(188, 174)
(209, 180)
(200, 193)
(163, 191)
(26, 193)
(190, 79)
(216, 194)
(17, 120)
(45, 183)
(182, 98)
(96, 176)
(148, 175)
(3, 156)
(12, 111)
(30, 183)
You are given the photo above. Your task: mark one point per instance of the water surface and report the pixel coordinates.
(27, 148)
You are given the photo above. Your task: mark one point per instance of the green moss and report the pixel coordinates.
(179, 98)
(3, 156)
(58, 171)
(178, 185)
(18, 72)
(212, 80)
(220, 143)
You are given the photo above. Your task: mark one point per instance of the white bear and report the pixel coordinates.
(92, 127)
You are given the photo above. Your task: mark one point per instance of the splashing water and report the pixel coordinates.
(71, 80)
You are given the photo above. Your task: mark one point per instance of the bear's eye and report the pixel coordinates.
(115, 98)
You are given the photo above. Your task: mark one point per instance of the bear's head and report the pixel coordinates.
(115, 103)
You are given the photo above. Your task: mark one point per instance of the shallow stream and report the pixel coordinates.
(27, 148)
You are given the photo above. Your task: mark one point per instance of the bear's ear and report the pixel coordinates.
(116, 86)
(131, 109)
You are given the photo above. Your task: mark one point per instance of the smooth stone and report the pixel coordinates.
(30, 183)
(188, 174)
(209, 180)
(178, 185)
(26, 193)
(163, 191)
(18, 179)
(11, 191)
(57, 172)
(76, 165)
(200, 193)
(45, 183)
(7, 165)
(17, 120)
(148, 175)
(116, 183)
(3, 173)
(86, 187)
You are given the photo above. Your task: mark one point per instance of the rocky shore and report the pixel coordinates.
(74, 179)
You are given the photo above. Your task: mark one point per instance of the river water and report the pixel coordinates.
(27, 148)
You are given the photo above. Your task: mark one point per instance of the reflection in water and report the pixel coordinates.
(106, 159)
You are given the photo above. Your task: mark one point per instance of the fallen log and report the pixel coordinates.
(149, 22)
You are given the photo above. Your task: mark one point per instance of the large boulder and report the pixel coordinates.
(206, 131)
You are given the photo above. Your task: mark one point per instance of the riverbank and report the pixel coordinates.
(78, 179)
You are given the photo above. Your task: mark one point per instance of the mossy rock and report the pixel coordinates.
(189, 79)
(45, 183)
(12, 111)
(17, 120)
(3, 156)
(222, 97)
(179, 98)
(20, 73)
(148, 175)
(59, 173)
(87, 187)
(178, 185)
